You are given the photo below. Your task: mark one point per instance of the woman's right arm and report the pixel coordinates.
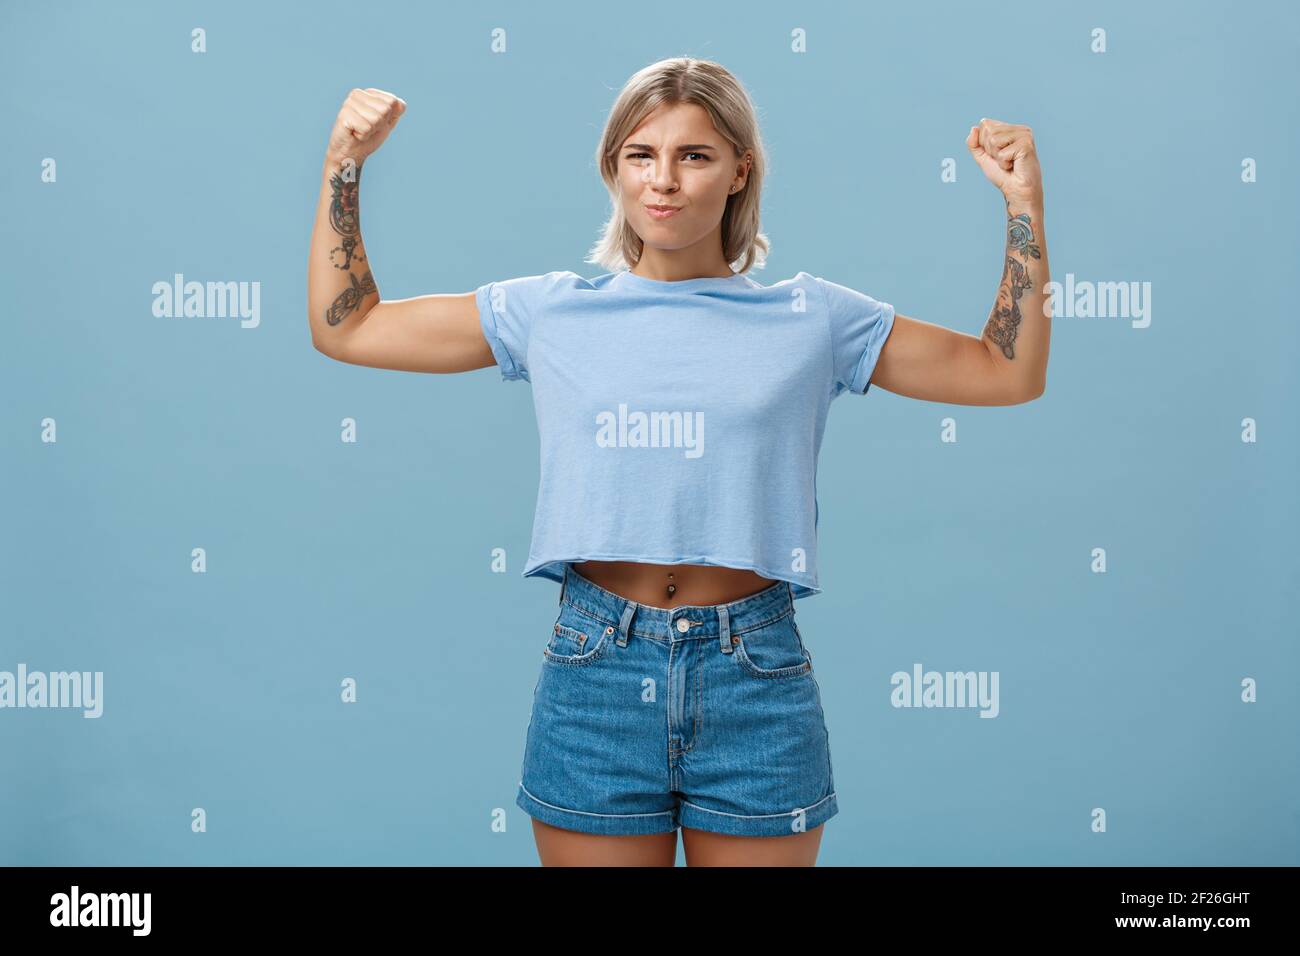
(348, 319)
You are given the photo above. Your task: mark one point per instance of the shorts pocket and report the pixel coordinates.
(577, 637)
(772, 651)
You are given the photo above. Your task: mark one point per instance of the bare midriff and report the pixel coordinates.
(673, 585)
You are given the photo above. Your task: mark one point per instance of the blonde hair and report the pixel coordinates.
(685, 79)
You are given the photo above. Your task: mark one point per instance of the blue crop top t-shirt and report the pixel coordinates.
(680, 422)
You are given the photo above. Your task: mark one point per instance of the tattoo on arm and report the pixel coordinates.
(350, 298)
(1004, 321)
(345, 219)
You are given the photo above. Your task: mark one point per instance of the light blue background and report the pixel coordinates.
(327, 560)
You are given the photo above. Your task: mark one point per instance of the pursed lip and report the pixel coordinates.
(662, 207)
(662, 213)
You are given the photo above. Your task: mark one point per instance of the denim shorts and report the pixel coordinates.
(645, 719)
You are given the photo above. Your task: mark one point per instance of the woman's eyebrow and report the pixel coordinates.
(651, 149)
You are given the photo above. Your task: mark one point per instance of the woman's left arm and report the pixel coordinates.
(1007, 364)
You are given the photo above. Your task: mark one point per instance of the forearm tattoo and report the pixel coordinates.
(1004, 321)
(348, 301)
(345, 219)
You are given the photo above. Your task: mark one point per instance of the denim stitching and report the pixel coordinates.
(699, 702)
(635, 632)
(778, 673)
(581, 636)
(591, 613)
(579, 660)
(699, 709)
(672, 751)
(588, 813)
(759, 816)
(754, 627)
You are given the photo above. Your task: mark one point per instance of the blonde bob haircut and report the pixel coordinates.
(669, 82)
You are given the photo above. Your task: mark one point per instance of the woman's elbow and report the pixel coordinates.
(1035, 389)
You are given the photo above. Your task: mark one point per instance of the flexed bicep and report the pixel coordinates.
(936, 364)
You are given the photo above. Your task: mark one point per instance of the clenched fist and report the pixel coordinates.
(363, 123)
(1007, 155)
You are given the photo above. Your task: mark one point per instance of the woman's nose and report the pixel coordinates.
(658, 175)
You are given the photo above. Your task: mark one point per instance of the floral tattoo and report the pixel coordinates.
(1004, 321)
(345, 220)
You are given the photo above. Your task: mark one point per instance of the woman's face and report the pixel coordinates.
(676, 158)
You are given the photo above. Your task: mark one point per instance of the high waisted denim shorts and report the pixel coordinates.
(645, 719)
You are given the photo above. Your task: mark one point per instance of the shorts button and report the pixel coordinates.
(683, 625)
(735, 640)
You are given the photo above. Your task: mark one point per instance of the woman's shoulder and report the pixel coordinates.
(546, 284)
(799, 278)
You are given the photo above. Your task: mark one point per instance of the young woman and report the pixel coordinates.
(681, 406)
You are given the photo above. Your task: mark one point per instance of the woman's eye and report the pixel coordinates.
(639, 155)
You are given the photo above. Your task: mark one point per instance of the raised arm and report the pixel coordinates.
(1007, 363)
(348, 319)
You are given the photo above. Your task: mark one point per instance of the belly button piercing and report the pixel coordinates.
(671, 587)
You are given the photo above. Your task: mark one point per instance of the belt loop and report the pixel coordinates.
(724, 629)
(564, 582)
(626, 623)
(790, 587)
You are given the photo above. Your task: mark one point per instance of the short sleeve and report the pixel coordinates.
(859, 326)
(506, 311)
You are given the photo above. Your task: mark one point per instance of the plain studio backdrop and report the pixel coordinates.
(372, 561)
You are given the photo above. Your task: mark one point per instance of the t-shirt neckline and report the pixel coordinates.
(631, 279)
